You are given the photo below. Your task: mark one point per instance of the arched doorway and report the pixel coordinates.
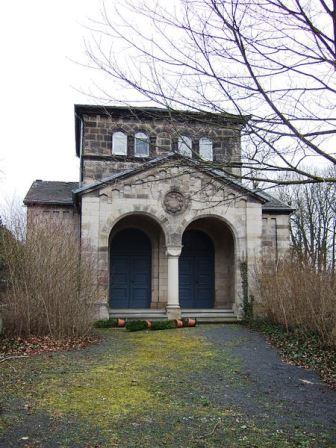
(196, 270)
(130, 269)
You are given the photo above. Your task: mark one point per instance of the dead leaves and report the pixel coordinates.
(23, 347)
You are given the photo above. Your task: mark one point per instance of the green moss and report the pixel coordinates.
(143, 389)
(121, 386)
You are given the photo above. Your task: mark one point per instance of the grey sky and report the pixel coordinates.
(37, 39)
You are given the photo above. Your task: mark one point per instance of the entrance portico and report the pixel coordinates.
(149, 278)
(199, 230)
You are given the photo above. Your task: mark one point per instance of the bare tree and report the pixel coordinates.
(313, 224)
(271, 62)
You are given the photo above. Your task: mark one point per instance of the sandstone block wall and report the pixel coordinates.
(97, 158)
(65, 217)
(232, 219)
(275, 235)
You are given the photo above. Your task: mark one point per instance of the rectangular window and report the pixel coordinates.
(205, 149)
(185, 146)
(119, 143)
(141, 145)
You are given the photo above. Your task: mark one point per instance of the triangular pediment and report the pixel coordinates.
(167, 168)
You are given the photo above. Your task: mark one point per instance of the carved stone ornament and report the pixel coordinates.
(174, 202)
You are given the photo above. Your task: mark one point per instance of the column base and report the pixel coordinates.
(102, 310)
(173, 312)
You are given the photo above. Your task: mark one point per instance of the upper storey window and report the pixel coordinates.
(205, 149)
(119, 143)
(184, 146)
(141, 145)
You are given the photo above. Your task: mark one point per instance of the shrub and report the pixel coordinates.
(294, 294)
(106, 323)
(50, 288)
(163, 325)
(136, 325)
(189, 322)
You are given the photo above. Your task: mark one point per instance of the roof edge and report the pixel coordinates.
(41, 202)
(278, 210)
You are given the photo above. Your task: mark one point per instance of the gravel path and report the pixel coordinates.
(231, 390)
(289, 394)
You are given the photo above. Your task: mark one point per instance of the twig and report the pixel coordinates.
(12, 357)
(210, 433)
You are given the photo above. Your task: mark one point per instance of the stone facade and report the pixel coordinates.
(54, 215)
(235, 218)
(97, 130)
(275, 235)
(164, 195)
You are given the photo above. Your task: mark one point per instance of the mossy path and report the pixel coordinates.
(174, 388)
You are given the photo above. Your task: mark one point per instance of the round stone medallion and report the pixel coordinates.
(174, 202)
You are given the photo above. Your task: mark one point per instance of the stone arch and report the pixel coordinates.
(225, 238)
(151, 227)
(186, 222)
(161, 220)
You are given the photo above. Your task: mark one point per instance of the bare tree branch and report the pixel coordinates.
(272, 61)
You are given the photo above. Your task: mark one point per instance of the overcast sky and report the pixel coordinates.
(40, 83)
(37, 40)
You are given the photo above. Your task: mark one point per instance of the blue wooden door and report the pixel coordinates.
(196, 271)
(130, 270)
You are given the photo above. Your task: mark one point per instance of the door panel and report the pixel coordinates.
(140, 282)
(186, 275)
(196, 271)
(130, 270)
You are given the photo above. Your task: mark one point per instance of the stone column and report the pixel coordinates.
(173, 304)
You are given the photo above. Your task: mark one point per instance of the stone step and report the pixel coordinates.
(202, 315)
(138, 314)
(211, 315)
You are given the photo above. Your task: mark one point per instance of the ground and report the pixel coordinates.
(211, 386)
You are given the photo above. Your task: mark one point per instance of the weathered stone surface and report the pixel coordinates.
(213, 208)
(98, 160)
(164, 201)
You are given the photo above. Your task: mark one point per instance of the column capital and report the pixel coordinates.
(173, 251)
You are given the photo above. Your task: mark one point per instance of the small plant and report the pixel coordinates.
(189, 322)
(247, 300)
(163, 325)
(136, 325)
(106, 323)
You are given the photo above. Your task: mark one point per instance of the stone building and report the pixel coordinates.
(160, 206)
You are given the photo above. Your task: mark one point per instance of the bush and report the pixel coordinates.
(296, 295)
(106, 323)
(186, 321)
(136, 325)
(50, 288)
(163, 325)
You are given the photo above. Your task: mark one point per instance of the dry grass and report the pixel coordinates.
(51, 289)
(294, 294)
